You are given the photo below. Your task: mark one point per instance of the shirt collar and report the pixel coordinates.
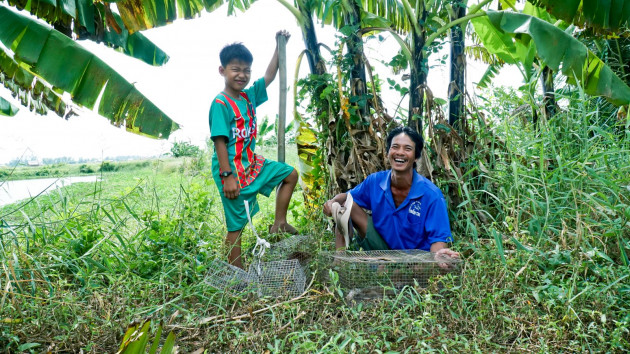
(416, 188)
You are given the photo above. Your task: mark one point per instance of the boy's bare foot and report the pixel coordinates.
(284, 227)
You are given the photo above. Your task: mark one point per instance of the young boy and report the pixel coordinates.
(239, 173)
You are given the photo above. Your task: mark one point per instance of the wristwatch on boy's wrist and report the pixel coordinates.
(225, 173)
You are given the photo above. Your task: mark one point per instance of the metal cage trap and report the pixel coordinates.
(375, 274)
(284, 278)
(228, 278)
(299, 247)
(281, 274)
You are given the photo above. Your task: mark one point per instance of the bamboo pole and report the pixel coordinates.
(282, 111)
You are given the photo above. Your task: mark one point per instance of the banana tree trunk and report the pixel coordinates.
(313, 54)
(549, 97)
(457, 84)
(355, 49)
(418, 78)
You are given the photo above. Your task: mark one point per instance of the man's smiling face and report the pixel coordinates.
(401, 153)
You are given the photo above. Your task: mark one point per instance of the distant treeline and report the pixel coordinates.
(70, 160)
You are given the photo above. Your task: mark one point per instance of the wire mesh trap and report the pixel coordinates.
(298, 247)
(281, 274)
(284, 278)
(375, 274)
(226, 277)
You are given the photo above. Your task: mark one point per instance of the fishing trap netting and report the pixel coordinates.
(300, 247)
(283, 278)
(281, 273)
(375, 274)
(228, 278)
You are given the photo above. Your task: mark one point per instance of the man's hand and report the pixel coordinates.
(339, 198)
(328, 207)
(445, 255)
(230, 187)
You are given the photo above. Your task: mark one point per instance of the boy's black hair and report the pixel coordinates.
(235, 51)
(415, 137)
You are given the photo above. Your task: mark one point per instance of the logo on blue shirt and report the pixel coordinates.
(415, 208)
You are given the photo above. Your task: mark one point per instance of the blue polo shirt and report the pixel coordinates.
(416, 223)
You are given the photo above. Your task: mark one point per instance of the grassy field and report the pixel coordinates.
(545, 247)
(61, 169)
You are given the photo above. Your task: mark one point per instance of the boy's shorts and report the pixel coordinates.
(372, 241)
(271, 174)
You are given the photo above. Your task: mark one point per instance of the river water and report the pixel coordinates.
(14, 191)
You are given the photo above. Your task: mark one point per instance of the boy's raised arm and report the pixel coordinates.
(272, 69)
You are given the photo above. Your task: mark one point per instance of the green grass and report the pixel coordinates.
(542, 222)
(63, 169)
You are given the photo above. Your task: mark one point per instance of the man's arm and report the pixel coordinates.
(230, 185)
(339, 198)
(272, 69)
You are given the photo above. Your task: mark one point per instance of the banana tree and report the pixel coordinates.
(303, 10)
(345, 110)
(86, 21)
(424, 22)
(525, 59)
(29, 90)
(353, 20)
(508, 35)
(457, 81)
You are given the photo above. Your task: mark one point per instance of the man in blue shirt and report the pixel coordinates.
(408, 211)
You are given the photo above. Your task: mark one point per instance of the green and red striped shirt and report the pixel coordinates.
(236, 120)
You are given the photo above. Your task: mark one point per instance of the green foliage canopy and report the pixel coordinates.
(67, 66)
(507, 34)
(602, 16)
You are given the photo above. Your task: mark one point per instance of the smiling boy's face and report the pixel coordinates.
(237, 74)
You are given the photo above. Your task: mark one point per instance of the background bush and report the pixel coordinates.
(185, 149)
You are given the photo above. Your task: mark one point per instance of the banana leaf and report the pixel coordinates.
(602, 16)
(491, 72)
(137, 16)
(135, 45)
(503, 32)
(393, 11)
(109, 28)
(67, 66)
(6, 108)
(28, 88)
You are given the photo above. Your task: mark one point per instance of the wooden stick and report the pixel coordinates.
(282, 111)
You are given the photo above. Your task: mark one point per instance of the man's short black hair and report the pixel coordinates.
(235, 51)
(415, 137)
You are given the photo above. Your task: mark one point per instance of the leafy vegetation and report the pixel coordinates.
(185, 149)
(540, 208)
(34, 45)
(542, 224)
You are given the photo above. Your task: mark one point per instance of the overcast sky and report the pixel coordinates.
(184, 87)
